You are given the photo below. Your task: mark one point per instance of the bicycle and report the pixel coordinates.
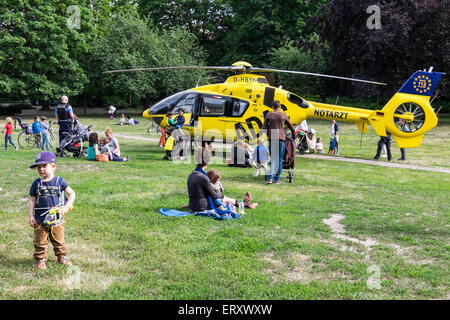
(29, 140)
(51, 136)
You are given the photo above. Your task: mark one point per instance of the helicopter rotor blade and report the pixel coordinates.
(251, 70)
(173, 68)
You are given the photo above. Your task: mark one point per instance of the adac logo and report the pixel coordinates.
(422, 84)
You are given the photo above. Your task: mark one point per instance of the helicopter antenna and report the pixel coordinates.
(360, 141)
(437, 92)
(337, 99)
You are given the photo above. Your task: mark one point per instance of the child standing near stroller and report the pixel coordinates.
(260, 157)
(8, 134)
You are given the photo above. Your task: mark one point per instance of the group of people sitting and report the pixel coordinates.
(126, 121)
(105, 149)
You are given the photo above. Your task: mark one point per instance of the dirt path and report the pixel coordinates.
(323, 157)
(377, 163)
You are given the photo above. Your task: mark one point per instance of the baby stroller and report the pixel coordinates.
(73, 143)
(289, 160)
(306, 141)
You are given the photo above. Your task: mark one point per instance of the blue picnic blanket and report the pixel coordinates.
(207, 213)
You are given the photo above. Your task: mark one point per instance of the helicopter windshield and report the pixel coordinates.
(164, 106)
(187, 103)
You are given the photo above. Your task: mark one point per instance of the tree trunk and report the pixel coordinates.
(45, 105)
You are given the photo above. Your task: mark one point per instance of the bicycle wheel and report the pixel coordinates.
(51, 139)
(25, 140)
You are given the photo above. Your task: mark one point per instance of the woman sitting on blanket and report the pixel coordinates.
(198, 184)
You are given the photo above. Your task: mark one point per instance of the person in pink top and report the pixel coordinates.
(8, 134)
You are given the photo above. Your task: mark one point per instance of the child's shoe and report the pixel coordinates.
(64, 260)
(40, 264)
(17, 148)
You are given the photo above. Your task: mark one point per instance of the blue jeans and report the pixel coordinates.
(8, 137)
(276, 159)
(44, 141)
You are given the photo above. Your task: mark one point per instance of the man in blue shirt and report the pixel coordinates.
(64, 116)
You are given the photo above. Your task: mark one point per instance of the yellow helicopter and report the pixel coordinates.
(236, 108)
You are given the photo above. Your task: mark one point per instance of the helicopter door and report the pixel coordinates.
(212, 114)
(187, 103)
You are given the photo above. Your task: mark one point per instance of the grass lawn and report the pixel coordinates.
(390, 225)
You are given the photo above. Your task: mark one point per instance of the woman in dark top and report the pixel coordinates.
(199, 185)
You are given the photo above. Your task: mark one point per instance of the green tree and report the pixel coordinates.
(414, 35)
(130, 43)
(208, 20)
(40, 41)
(260, 25)
(310, 57)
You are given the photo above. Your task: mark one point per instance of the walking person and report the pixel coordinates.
(335, 134)
(274, 124)
(384, 142)
(8, 134)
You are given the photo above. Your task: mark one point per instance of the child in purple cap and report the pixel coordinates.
(48, 192)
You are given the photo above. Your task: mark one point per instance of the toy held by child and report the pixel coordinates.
(47, 207)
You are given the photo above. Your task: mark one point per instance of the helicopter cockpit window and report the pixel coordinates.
(239, 108)
(163, 106)
(213, 107)
(187, 103)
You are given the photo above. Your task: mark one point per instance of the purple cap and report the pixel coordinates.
(43, 158)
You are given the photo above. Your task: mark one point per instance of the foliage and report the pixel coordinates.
(310, 57)
(130, 43)
(209, 20)
(414, 35)
(259, 25)
(233, 30)
(38, 55)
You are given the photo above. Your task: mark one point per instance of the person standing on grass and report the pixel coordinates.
(274, 123)
(44, 133)
(384, 142)
(48, 192)
(404, 128)
(64, 116)
(335, 136)
(8, 134)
